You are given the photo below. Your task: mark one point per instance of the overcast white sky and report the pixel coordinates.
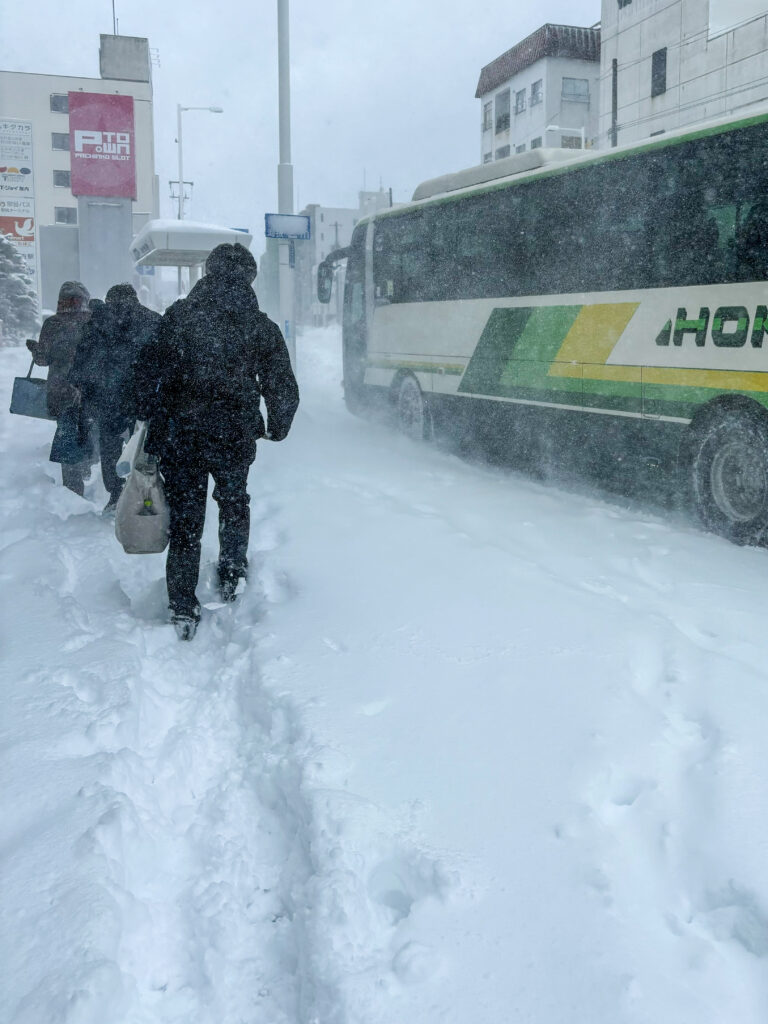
(381, 90)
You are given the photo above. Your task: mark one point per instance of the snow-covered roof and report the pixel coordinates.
(548, 41)
(181, 243)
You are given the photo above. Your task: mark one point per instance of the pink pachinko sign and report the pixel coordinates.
(102, 144)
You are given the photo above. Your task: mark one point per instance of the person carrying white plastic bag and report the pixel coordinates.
(142, 517)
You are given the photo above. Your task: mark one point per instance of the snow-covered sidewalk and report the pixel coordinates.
(469, 749)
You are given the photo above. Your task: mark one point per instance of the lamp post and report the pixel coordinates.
(285, 178)
(557, 128)
(179, 111)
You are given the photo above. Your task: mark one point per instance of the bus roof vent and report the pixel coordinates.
(504, 168)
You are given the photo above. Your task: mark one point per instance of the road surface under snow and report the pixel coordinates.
(470, 749)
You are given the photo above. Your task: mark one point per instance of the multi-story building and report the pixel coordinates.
(330, 228)
(542, 92)
(70, 232)
(669, 63)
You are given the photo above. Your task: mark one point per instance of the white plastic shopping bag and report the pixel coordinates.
(142, 515)
(130, 448)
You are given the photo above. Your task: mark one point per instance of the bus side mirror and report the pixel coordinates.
(324, 282)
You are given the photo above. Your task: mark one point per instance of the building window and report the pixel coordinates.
(65, 214)
(536, 143)
(570, 142)
(60, 102)
(537, 92)
(520, 101)
(520, 149)
(502, 111)
(659, 72)
(487, 157)
(322, 218)
(576, 89)
(60, 140)
(501, 152)
(487, 116)
(624, 3)
(61, 179)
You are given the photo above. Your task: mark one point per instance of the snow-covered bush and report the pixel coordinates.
(18, 302)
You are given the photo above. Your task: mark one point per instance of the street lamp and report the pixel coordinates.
(180, 215)
(557, 128)
(179, 111)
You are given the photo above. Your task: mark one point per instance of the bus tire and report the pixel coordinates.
(729, 474)
(412, 411)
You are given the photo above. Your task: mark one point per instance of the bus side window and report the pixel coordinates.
(751, 244)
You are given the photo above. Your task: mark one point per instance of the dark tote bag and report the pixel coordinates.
(29, 396)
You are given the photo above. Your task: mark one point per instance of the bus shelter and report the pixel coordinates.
(181, 243)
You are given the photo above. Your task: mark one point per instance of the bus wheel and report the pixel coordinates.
(729, 475)
(412, 412)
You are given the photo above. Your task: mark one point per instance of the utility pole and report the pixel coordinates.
(285, 179)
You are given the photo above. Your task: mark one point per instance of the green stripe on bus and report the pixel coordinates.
(516, 349)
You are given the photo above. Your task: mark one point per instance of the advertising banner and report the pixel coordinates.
(17, 191)
(102, 144)
(16, 178)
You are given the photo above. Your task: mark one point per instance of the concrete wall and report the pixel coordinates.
(708, 75)
(59, 259)
(532, 122)
(125, 58)
(105, 236)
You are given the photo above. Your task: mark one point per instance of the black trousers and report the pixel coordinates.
(110, 449)
(186, 488)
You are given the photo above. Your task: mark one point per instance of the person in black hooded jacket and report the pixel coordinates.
(103, 373)
(199, 386)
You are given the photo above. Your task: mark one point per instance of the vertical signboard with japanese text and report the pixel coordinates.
(17, 191)
(102, 144)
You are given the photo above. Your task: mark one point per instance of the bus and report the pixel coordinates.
(619, 295)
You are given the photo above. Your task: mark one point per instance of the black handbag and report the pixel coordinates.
(29, 396)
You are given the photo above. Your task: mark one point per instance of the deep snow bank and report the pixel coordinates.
(469, 749)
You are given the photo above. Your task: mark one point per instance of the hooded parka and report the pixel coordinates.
(200, 386)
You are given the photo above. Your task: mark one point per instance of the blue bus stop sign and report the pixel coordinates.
(293, 226)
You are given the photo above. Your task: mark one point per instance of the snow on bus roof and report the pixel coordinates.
(536, 159)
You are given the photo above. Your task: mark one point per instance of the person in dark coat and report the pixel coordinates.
(103, 373)
(59, 338)
(199, 386)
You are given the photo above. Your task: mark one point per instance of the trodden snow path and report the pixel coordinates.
(469, 749)
(154, 842)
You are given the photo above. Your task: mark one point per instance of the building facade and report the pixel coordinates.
(542, 92)
(69, 232)
(670, 63)
(331, 228)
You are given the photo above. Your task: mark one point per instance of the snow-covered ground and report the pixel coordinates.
(470, 749)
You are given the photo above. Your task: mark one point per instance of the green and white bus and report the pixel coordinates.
(625, 289)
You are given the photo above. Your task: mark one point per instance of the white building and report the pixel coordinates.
(542, 92)
(63, 242)
(669, 63)
(331, 228)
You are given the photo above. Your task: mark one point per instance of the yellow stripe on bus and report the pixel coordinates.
(722, 380)
(594, 333)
